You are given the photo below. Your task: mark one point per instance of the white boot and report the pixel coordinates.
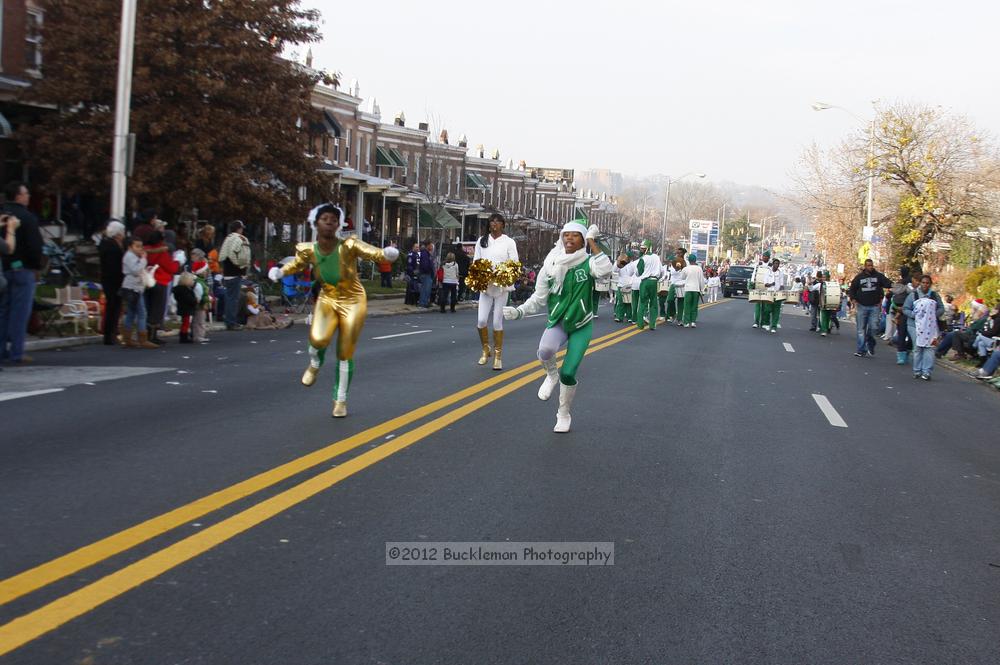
(563, 418)
(551, 378)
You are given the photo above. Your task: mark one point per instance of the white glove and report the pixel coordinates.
(511, 313)
(391, 253)
(274, 274)
(593, 232)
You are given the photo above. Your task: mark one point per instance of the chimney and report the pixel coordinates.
(309, 58)
(496, 154)
(400, 119)
(463, 141)
(423, 126)
(355, 88)
(480, 149)
(444, 136)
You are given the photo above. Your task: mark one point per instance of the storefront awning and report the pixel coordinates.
(475, 181)
(327, 125)
(387, 157)
(5, 129)
(436, 217)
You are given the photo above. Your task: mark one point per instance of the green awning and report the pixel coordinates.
(475, 181)
(398, 158)
(435, 216)
(383, 157)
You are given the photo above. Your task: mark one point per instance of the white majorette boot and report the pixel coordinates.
(563, 419)
(309, 376)
(551, 378)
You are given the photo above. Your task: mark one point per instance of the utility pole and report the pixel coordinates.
(123, 102)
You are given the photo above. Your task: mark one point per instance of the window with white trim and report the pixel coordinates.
(33, 39)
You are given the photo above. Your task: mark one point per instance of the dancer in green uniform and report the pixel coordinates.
(564, 285)
(694, 282)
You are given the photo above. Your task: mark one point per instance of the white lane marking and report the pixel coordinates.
(415, 332)
(788, 347)
(831, 413)
(6, 396)
(531, 316)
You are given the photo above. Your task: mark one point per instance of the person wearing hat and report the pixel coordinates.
(762, 275)
(342, 303)
(648, 271)
(497, 247)
(820, 288)
(566, 279)
(203, 296)
(694, 283)
(622, 274)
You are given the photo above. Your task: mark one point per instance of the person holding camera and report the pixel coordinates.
(20, 269)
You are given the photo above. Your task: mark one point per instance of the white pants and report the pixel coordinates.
(491, 306)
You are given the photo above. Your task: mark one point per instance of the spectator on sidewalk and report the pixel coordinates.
(866, 292)
(413, 275)
(203, 294)
(235, 259)
(989, 367)
(463, 261)
(923, 308)
(963, 340)
(449, 282)
(385, 270)
(187, 305)
(158, 254)
(427, 272)
(20, 268)
(133, 265)
(111, 252)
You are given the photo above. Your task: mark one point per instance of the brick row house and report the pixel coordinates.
(399, 183)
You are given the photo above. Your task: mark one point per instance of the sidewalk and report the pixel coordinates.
(376, 307)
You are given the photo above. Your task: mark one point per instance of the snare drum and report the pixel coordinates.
(627, 296)
(760, 295)
(602, 285)
(830, 296)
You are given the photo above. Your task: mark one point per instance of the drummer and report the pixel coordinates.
(822, 277)
(762, 277)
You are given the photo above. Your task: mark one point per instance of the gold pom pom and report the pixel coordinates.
(507, 273)
(480, 274)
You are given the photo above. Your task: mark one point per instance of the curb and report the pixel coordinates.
(52, 343)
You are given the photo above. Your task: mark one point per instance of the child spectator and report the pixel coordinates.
(187, 304)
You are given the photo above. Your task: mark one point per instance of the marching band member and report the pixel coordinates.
(625, 274)
(497, 247)
(648, 270)
(342, 303)
(824, 313)
(694, 282)
(564, 285)
(778, 289)
(762, 277)
(678, 282)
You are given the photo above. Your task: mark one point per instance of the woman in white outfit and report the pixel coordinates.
(496, 247)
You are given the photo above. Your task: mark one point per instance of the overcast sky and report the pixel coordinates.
(662, 87)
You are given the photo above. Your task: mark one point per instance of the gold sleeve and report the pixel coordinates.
(303, 259)
(362, 250)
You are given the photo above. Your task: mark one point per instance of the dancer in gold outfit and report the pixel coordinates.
(342, 302)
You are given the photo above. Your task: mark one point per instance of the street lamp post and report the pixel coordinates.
(666, 206)
(823, 106)
(123, 100)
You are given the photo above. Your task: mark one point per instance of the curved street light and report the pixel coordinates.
(666, 205)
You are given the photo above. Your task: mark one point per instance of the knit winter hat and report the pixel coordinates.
(692, 258)
(574, 227)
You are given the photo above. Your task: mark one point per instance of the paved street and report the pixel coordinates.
(747, 526)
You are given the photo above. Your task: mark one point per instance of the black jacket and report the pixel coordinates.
(868, 289)
(111, 265)
(29, 239)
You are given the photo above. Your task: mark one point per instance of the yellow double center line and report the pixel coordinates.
(34, 624)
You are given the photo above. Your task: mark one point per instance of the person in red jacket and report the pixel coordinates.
(158, 254)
